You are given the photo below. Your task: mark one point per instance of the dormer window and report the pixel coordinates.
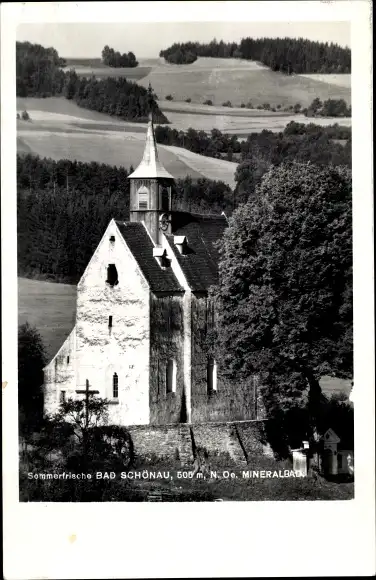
(181, 243)
(112, 239)
(112, 275)
(160, 255)
(143, 198)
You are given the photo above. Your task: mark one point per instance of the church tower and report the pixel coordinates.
(151, 185)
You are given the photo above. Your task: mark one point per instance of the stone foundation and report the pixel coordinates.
(242, 441)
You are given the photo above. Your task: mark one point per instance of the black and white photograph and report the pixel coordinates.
(185, 260)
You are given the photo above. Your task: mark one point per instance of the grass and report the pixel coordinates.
(340, 80)
(89, 66)
(102, 72)
(114, 148)
(242, 125)
(50, 307)
(212, 168)
(60, 112)
(221, 80)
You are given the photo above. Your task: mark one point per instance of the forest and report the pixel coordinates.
(40, 74)
(297, 141)
(117, 60)
(38, 71)
(287, 55)
(64, 207)
(114, 96)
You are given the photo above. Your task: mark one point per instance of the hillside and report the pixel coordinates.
(288, 55)
(222, 80)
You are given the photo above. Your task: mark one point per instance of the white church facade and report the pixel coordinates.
(143, 319)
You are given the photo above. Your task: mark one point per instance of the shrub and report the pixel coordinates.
(242, 106)
(208, 102)
(25, 116)
(227, 104)
(169, 98)
(188, 100)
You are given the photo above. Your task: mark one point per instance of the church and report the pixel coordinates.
(144, 316)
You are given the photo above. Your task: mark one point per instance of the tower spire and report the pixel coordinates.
(150, 166)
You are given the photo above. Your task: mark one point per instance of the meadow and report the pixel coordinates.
(238, 81)
(340, 80)
(51, 308)
(61, 130)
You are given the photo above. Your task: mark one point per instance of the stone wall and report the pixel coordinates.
(60, 374)
(231, 401)
(240, 441)
(169, 442)
(166, 343)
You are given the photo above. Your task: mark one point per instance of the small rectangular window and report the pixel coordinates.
(112, 275)
(171, 376)
(62, 396)
(110, 322)
(211, 376)
(68, 360)
(112, 238)
(115, 386)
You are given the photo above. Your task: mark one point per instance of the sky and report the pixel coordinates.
(147, 39)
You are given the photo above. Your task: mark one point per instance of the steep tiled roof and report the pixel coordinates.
(200, 262)
(141, 246)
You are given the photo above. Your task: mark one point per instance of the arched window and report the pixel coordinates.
(143, 198)
(211, 376)
(115, 386)
(170, 376)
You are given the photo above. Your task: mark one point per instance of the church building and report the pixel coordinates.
(144, 316)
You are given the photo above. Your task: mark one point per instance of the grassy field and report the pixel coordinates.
(51, 308)
(339, 80)
(102, 72)
(239, 125)
(114, 148)
(239, 82)
(55, 113)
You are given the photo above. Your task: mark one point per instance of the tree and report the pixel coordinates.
(285, 285)
(31, 361)
(73, 411)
